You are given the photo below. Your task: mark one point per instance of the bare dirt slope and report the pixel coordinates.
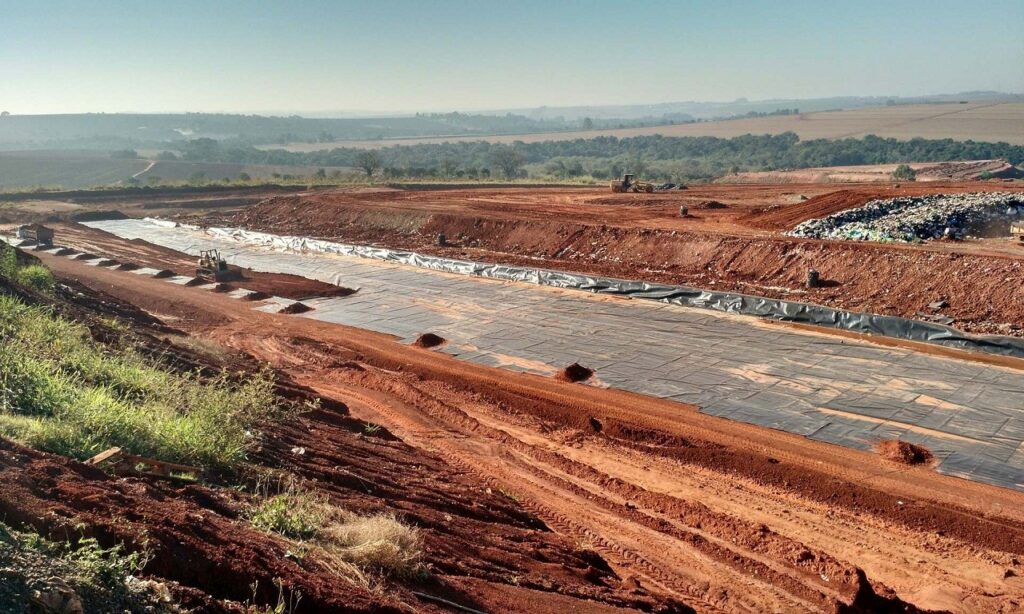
(719, 515)
(732, 239)
(483, 549)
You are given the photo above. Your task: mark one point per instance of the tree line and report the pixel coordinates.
(655, 157)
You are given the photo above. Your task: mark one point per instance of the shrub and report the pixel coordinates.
(904, 173)
(35, 276)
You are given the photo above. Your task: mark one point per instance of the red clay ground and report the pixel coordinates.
(641, 236)
(719, 515)
(483, 549)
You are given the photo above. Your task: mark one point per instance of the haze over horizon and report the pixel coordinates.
(399, 57)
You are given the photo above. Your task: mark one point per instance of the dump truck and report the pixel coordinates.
(215, 268)
(36, 232)
(629, 183)
(1017, 231)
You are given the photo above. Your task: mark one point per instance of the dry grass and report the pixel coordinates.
(362, 549)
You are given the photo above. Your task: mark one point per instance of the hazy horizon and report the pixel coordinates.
(394, 57)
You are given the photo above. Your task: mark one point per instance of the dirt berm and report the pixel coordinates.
(983, 292)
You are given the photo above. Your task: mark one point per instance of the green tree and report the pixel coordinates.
(370, 161)
(320, 174)
(904, 173)
(244, 177)
(448, 166)
(588, 124)
(507, 159)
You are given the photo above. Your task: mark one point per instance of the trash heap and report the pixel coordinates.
(920, 218)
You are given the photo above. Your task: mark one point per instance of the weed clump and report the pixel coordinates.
(40, 575)
(360, 548)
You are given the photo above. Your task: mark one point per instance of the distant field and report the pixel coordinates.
(75, 170)
(66, 169)
(978, 122)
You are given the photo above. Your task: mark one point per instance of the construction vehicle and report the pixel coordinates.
(38, 233)
(1017, 231)
(629, 183)
(215, 268)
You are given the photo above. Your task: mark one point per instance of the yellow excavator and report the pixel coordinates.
(628, 183)
(215, 268)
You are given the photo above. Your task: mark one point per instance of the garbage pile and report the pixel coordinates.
(920, 218)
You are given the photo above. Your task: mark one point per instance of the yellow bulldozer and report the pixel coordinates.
(1017, 231)
(215, 268)
(629, 183)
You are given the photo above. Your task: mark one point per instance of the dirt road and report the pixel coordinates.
(724, 516)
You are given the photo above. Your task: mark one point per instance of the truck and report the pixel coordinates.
(38, 233)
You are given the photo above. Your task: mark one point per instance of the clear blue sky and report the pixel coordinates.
(392, 55)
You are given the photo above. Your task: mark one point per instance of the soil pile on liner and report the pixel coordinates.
(256, 296)
(222, 288)
(428, 340)
(163, 274)
(575, 373)
(197, 281)
(296, 308)
(904, 452)
(128, 266)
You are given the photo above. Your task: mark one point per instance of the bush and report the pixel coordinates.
(35, 276)
(904, 173)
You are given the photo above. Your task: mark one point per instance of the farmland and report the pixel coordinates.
(980, 122)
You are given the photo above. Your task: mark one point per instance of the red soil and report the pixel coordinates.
(429, 340)
(904, 452)
(738, 249)
(717, 514)
(199, 541)
(575, 373)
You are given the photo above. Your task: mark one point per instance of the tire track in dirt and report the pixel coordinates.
(724, 571)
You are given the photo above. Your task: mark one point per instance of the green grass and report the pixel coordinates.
(62, 392)
(297, 515)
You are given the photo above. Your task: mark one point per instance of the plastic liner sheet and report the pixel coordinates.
(776, 309)
(849, 393)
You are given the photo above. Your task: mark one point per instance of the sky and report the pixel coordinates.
(391, 56)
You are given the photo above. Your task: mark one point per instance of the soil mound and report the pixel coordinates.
(429, 340)
(904, 452)
(222, 288)
(787, 217)
(575, 373)
(108, 262)
(196, 281)
(163, 274)
(128, 266)
(296, 308)
(86, 256)
(256, 296)
(712, 204)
